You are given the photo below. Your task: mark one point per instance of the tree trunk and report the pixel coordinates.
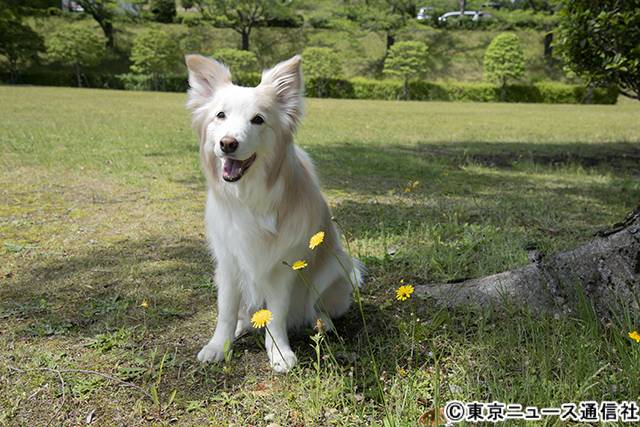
(503, 90)
(548, 49)
(107, 29)
(463, 6)
(245, 38)
(605, 271)
(391, 39)
(78, 75)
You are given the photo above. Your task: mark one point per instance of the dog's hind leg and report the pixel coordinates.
(244, 322)
(336, 299)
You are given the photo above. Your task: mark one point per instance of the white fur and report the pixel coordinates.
(268, 216)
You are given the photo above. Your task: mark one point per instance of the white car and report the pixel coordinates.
(424, 13)
(475, 15)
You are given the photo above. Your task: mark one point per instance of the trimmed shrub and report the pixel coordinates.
(240, 62)
(321, 87)
(503, 60)
(66, 78)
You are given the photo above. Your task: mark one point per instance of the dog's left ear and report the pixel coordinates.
(286, 79)
(205, 77)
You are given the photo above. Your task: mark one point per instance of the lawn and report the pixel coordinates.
(105, 283)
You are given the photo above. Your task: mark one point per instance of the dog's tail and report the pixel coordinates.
(358, 273)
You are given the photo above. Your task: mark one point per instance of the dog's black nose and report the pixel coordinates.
(228, 144)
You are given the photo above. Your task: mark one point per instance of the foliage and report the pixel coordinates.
(386, 16)
(504, 59)
(19, 44)
(240, 15)
(163, 10)
(239, 61)
(600, 42)
(321, 62)
(154, 52)
(196, 40)
(406, 60)
(76, 46)
(103, 12)
(187, 4)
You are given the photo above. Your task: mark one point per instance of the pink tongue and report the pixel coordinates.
(231, 167)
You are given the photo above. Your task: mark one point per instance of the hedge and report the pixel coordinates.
(356, 88)
(543, 92)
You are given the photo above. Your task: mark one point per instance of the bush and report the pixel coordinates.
(238, 61)
(504, 60)
(166, 83)
(322, 87)
(406, 60)
(66, 78)
(544, 92)
(318, 65)
(173, 83)
(163, 11)
(191, 20)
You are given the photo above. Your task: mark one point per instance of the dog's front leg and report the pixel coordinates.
(281, 356)
(228, 304)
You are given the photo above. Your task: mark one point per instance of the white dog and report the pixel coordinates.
(263, 205)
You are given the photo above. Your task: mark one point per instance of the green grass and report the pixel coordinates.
(102, 201)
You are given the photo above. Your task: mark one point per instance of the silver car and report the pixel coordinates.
(475, 15)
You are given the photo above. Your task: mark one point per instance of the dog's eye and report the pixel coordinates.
(221, 115)
(257, 120)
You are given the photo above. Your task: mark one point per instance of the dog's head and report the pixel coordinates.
(239, 126)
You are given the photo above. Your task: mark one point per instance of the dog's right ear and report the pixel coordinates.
(205, 77)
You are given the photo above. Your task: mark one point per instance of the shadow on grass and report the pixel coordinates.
(102, 288)
(378, 168)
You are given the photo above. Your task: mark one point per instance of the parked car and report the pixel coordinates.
(474, 15)
(424, 13)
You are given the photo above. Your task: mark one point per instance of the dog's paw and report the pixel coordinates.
(282, 363)
(211, 353)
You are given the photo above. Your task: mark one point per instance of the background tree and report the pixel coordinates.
(103, 12)
(387, 16)
(503, 60)
(407, 60)
(18, 42)
(76, 46)
(240, 15)
(163, 10)
(600, 42)
(154, 53)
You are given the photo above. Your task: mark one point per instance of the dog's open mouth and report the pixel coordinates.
(233, 169)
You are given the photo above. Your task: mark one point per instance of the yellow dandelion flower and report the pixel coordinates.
(634, 335)
(144, 304)
(261, 318)
(412, 185)
(299, 265)
(404, 292)
(316, 240)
